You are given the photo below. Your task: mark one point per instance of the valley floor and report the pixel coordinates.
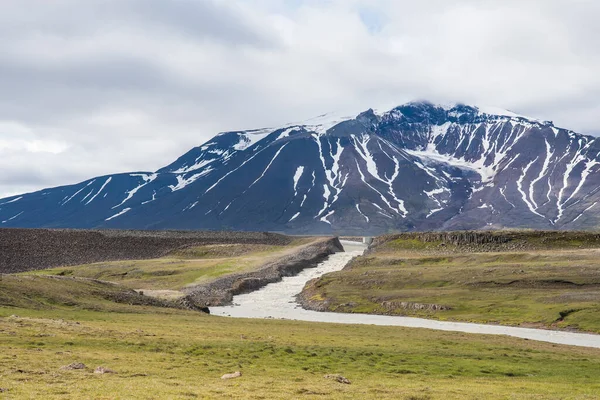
(158, 350)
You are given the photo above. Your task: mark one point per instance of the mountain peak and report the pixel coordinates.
(418, 166)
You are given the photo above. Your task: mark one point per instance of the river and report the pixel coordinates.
(277, 300)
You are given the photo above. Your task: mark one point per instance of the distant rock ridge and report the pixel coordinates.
(416, 167)
(496, 240)
(34, 249)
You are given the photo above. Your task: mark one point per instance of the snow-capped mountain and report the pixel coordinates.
(416, 167)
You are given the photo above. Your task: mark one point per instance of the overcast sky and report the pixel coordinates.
(103, 86)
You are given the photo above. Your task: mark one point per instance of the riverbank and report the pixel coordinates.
(220, 291)
(280, 301)
(529, 279)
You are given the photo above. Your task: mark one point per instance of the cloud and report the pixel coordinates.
(120, 85)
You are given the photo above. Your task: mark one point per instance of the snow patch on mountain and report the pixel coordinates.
(12, 201)
(117, 215)
(250, 138)
(297, 176)
(322, 123)
(147, 178)
(495, 111)
(486, 172)
(13, 217)
(183, 182)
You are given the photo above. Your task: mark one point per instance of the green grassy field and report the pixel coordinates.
(164, 353)
(552, 285)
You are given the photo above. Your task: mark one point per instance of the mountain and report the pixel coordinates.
(418, 166)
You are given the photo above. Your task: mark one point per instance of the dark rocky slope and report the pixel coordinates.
(31, 249)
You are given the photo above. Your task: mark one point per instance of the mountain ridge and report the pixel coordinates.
(418, 166)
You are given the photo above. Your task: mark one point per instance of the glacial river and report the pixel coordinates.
(277, 300)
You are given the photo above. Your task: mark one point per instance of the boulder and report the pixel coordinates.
(235, 375)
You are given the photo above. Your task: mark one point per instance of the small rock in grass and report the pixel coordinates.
(338, 378)
(3, 390)
(102, 370)
(74, 366)
(236, 374)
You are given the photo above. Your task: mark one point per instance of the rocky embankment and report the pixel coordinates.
(221, 291)
(484, 241)
(33, 249)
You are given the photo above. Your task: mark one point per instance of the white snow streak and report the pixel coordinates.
(197, 165)
(99, 191)
(118, 214)
(431, 194)
(297, 177)
(503, 195)
(16, 216)
(583, 212)
(190, 206)
(182, 182)
(294, 217)
(128, 195)
(333, 176)
(433, 212)
(384, 214)
(365, 154)
(87, 195)
(79, 191)
(303, 200)
(153, 198)
(523, 194)
(361, 213)
(324, 219)
(588, 169)
(577, 158)
(232, 171)
(12, 201)
(362, 177)
(543, 173)
(268, 166)
(326, 194)
(308, 191)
